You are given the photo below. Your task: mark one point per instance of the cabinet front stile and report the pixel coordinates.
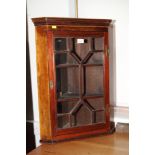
(52, 84)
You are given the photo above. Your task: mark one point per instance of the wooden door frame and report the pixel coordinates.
(83, 130)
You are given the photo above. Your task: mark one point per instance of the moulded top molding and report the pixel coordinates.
(70, 21)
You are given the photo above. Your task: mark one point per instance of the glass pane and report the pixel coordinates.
(97, 103)
(99, 42)
(65, 107)
(82, 46)
(64, 58)
(63, 44)
(94, 80)
(96, 58)
(82, 117)
(79, 70)
(67, 82)
(100, 117)
(60, 44)
(63, 122)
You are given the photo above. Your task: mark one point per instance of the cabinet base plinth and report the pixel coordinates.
(85, 135)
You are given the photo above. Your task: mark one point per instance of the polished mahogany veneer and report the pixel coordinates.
(73, 77)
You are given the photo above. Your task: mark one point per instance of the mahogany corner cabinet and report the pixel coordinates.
(73, 77)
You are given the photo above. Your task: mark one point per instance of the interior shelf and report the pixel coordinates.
(72, 97)
(66, 65)
(71, 51)
(79, 88)
(95, 64)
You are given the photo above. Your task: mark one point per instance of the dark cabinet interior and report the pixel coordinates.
(79, 61)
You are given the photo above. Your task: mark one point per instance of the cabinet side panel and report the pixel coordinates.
(106, 77)
(43, 84)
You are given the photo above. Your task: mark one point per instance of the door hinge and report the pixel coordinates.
(107, 51)
(107, 108)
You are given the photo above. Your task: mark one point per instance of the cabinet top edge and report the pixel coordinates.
(70, 21)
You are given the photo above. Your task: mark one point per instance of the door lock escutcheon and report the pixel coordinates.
(51, 84)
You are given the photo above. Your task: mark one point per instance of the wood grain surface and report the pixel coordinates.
(43, 84)
(115, 144)
(71, 21)
(46, 74)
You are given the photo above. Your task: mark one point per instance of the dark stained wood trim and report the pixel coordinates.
(67, 65)
(78, 28)
(106, 78)
(81, 134)
(70, 21)
(80, 129)
(88, 128)
(84, 97)
(77, 34)
(92, 65)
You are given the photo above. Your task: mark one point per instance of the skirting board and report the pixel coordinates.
(119, 114)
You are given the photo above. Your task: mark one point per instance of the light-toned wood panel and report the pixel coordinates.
(43, 83)
(115, 144)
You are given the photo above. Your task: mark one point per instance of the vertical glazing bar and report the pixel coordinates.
(84, 80)
(81, 80)
(93, 43)
(73, 44)
(67, 44)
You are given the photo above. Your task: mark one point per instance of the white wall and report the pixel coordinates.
(42, 8)
(112, 9)
(117, 10)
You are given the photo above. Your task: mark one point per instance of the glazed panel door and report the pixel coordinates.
(79, 62)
